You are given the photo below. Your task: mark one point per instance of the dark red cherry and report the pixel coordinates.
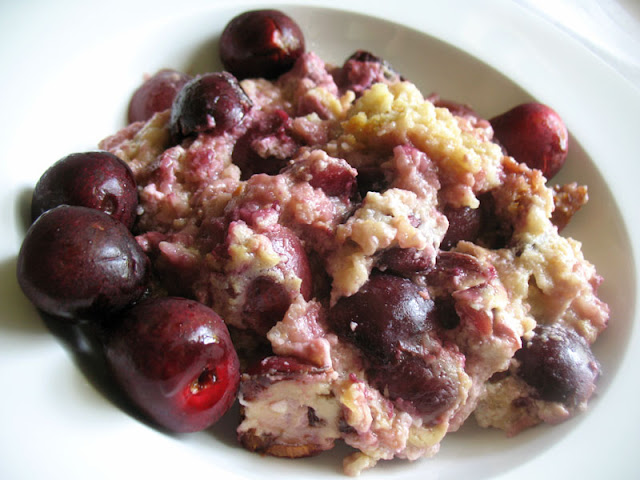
(156, 94)
(559, 364)
(388, 319)
(534, 134)
(404, 261)
(418, 382)
(213, 102)
(385, 311)
(464, 224)
(335, 180)
(261, 43)
(174, 358)
(78, 262)
(453, 269)
(267, 299)
(97, 180)
(267, 302)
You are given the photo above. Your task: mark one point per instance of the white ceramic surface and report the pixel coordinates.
(68, 69)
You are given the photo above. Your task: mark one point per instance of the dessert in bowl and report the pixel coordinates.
(361, 191)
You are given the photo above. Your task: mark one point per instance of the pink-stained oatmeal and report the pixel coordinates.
(337, 179)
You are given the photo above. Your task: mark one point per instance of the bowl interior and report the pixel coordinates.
(91, 97)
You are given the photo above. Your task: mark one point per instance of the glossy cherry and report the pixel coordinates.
(418, 382)
(174, 358)
(465, 223)
(385, 311)
(78, 262)
(213, 102)
(559, 364)
(404, 261)
(96, 179)
(261, 43)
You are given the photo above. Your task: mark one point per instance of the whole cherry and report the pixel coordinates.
(213, 102)
(95, 179)
(559, 364)
(80, 263)
(174, 359)
(534, 134)
(261, 43)
(155, 94)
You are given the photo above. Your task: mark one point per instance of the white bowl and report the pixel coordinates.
(66, 85)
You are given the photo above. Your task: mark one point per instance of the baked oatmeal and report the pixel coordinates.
(327, 227)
